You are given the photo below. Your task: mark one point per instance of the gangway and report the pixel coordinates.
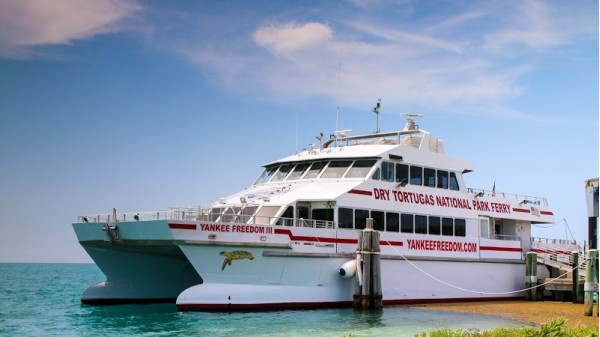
(558, 254)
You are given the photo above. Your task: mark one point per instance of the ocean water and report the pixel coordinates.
(43, 300)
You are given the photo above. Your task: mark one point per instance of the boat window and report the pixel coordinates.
(420, 224)
(453, 182)
(282, 172)
(416, 175)
(377, 174)
(460, 227)
(247, 212)
(302, 211)
(325, 214)
(298, 171)
(434, 225)
(401, 173)
(360, 169)
(392, 222)
(360, 218)
(406, 223)
(429, 175)
(266, 175)
(287, 217)
(345, 217)
(215, 213)
(387, 171)
(336, 169)
(314, 170)
(265, 214)
(378, 220)
(230, 214)
(442, 177)
(447, 226)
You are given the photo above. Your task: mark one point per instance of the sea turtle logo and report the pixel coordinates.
(235, 255)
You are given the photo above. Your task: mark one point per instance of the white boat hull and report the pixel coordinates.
(276, 279)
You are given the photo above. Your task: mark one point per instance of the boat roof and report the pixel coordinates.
(411, 145)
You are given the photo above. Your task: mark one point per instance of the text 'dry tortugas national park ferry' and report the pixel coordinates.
(282, 242)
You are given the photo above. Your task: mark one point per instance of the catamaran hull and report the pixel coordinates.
(143, 265)
(313, 280)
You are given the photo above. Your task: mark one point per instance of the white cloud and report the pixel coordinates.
(532, 24)
(285, 40)
(28, 23)
(402, 37)
(474, 56)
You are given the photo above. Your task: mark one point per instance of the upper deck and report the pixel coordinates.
(392, 173)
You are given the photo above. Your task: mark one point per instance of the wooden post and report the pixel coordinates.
(531, 276)
(368, 294)
(575, 274)
(591, 281)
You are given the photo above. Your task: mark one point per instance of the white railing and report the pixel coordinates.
(179, 213)
(558, 250)
(205, 214)
(523, 199)
(503, 237)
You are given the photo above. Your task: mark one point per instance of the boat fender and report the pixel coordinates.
(348, 269)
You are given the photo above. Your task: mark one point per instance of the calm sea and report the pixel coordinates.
(43, 300)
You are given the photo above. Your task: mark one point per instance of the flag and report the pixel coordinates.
(494, 189)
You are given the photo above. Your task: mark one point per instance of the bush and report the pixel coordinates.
(556, 328)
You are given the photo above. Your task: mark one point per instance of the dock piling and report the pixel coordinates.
(591, 281)
(531, 276)
(367, 290)
(575, 276)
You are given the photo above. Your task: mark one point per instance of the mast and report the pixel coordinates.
(376, 111)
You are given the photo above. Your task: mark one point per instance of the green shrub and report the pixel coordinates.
(556, 328)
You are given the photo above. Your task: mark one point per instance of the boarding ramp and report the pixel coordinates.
(558, 254)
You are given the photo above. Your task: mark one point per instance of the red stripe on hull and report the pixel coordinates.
(182, 226)
(312, 238)
(328, 240)
(500, 249)
(521, 210)
(391, 243)
(546, 213)
(361, 192)
(319, 305)
(117, 301)
(262, 306)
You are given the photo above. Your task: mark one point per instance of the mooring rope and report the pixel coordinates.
(478, 291)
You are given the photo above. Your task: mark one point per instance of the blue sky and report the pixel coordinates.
(143, 105)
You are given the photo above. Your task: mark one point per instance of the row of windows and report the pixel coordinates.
(416, 175)
(319, 169)
(336, 169)
(401, 222)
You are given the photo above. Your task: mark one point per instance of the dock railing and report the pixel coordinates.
(559, 251)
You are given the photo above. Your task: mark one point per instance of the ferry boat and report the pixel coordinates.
(289, 240)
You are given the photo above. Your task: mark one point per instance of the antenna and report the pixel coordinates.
(376, 111)
(297, 128)
(337, 106)
(410, 121)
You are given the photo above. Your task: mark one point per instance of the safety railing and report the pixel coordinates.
(205, 214)
(522, 199)
(558, 250)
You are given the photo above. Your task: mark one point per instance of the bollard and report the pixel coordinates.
(531, 276)
(591, 280)
(575, 274)
(367, 289)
